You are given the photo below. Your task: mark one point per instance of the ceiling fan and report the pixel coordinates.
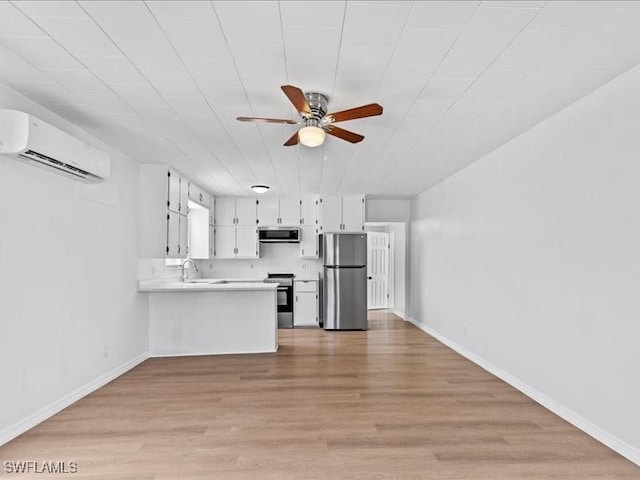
(312, 108)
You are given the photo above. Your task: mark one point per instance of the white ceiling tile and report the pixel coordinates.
(324, 48)
(444, 14)
(444, 89)
(111, 104)
(192, 40)
(353, 59)
(50, 8)
(423, 46)
(465, 63)
(616, 27)
(567, 15)
(124, 20)
(261, 26)
(42, 52)
(494, 28)
(80, 36)
(113, 69)
(138, 94)
(373, 25)
(212, 72)
(430, 109)
(501, 78)
(313, 14)
(533, 47)
(316, 77)
(196, 105)
(350, 91)
(195, 11)
(14, 23)
(407, 77)
(79, 81)
(173, 84)
(16, 68)
(471, 105)
(227, 98)
(152, 56)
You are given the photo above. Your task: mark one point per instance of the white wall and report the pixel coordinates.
(388, 209)
(529, 260)
(275, 257)
(68, 272)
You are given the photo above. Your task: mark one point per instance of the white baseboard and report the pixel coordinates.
(400, 314)
(34, 419)
(614, 443)
(208, 354)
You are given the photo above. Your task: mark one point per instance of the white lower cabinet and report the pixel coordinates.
(309, 242)
(306, 304)
(212, 240)
(235, 242)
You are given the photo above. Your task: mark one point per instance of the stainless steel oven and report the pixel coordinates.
(284, 297)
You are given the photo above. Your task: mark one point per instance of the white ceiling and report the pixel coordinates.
(163, 81)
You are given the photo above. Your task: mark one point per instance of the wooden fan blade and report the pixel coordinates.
(370, 110)
(296, 96)
(292, 141)
(267, 120)
(344, 134)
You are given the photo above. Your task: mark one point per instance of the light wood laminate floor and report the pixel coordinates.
(389, 403)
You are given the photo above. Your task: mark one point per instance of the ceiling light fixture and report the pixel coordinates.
(260, 188)
(312, 135)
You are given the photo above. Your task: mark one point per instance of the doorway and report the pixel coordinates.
(377, 270)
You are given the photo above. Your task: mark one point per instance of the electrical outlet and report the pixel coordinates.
(105, 352)
(253, 265)
(304, 266)
(153, 271)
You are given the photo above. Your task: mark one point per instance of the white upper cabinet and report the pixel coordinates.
(173, 194)
(225, 211)
(330, 214)
(309, 210)
(289, 211)
(344, 213)
(268, 212)
(198, 194)
(353, 213)
(280, 212)
(212, 210)
(246, 212)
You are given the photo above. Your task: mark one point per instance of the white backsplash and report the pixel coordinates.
(274, 257)
(155, 269)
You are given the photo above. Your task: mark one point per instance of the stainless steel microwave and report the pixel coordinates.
(279, 235)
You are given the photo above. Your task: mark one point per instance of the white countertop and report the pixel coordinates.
(306, 277)
(206, 284)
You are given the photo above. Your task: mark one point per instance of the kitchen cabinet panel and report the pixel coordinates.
(225, 241)
(173, 235)
(225, 211)
(212, 210)
(212, 241)
(173, 194)
(309, 242)
(246, 242)
(305, 307)
(353, 207)
(183, 245)
(246, 212)
(268, 212)
(309, 210)
(289, 211)
(330, 214)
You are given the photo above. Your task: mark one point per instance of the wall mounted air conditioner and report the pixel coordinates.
(29, 139)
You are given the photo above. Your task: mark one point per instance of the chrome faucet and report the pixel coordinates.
(185, 275)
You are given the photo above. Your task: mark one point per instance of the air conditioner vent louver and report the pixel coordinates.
(52, 162)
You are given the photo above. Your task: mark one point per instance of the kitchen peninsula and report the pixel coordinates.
(211, 317)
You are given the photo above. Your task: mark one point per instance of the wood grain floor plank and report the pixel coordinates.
(388, 403)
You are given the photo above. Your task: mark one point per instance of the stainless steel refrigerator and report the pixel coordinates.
(345, 281)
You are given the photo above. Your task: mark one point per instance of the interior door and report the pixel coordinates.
(377, 270)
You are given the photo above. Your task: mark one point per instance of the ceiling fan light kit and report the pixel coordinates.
(312, 109)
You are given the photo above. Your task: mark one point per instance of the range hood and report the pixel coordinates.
(279, 235)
